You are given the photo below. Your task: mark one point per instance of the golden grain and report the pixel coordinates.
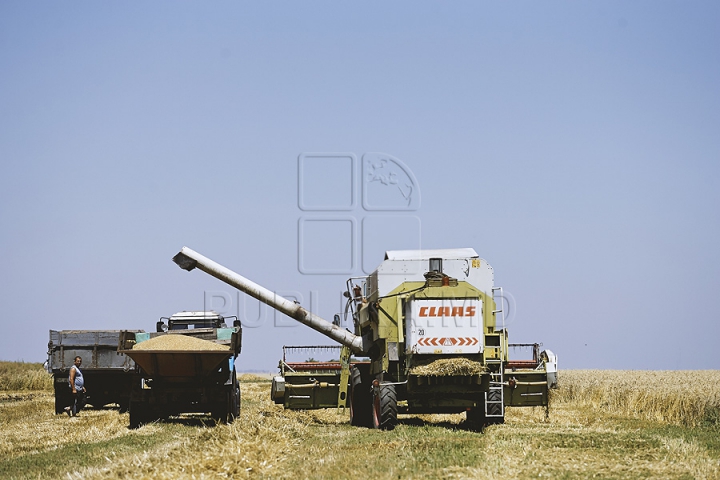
(178, 342)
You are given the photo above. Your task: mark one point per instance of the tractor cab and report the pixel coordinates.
(193, 320)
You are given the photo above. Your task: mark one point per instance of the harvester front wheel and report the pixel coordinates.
(359, 400)
(384, 412)
(495, 408)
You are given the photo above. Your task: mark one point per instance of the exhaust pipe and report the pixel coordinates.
(189, 259)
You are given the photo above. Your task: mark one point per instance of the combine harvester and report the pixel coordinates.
(426, 319)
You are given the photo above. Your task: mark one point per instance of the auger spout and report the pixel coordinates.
(188, 259)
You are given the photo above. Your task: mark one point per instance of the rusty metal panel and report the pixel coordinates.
(179, 363)
(97, 348)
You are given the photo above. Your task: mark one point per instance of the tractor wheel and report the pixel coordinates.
(59, 404)
(384, 411)
(234, 400)
(359, 400)
(97, 403)
(221, 409)
(138, 415)
(475, 419)
(63, 397)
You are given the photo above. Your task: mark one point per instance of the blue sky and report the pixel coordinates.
(573, 145)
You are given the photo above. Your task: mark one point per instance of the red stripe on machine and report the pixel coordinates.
(447, 342)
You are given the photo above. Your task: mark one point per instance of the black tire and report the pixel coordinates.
(384, 407)
(98, 403)
(359, 400)
(143, 415)
(238, 402)
(59, 404)
(494, 408)
(221, 410)
(234, 399)
(475, 419)
(63, 397)
(138, 415)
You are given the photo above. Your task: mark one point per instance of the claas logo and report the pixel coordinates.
(447, 311)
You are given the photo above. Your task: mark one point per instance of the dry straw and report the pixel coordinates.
(586, 436)
(447, 367)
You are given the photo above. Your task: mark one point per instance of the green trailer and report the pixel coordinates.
(197, 376)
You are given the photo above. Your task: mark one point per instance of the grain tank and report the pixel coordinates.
(428, 322)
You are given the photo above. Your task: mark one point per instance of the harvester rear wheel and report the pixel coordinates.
(384, 411)
(359, 400)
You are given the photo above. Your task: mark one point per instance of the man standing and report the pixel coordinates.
(77, 384)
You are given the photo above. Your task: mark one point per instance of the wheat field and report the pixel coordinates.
(602, 424)
(687, 398)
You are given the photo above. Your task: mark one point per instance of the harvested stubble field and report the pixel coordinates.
(603, 424)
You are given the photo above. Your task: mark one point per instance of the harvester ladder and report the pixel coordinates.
(501, 296)
(495, 396)
(345, 354)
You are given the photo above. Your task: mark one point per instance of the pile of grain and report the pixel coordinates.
(178, 342)
(448, 366)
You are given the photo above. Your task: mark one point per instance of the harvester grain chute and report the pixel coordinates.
(427, 321)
